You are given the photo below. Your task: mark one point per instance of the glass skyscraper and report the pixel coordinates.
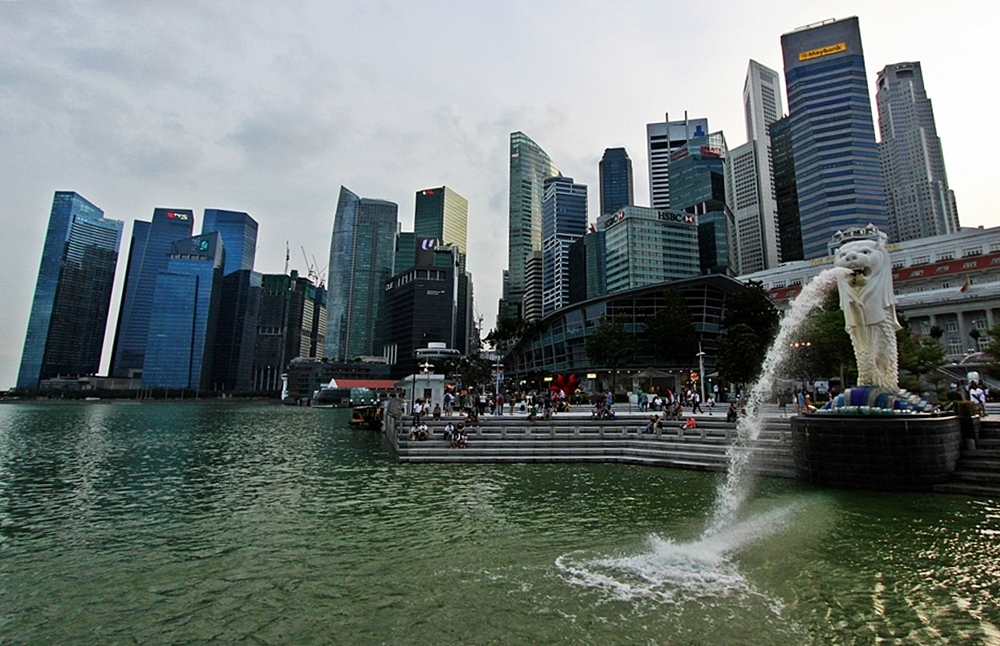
(837, 172)
(697, 185)
(69, 311)
(662, 139)
(362, 250)
(917, 195)
(529, 167)
(181, 339)
(148, 254)
(443, 214)
(617, 186)
(239, 237)
(564, 220)
(645, 246)
(786, 194)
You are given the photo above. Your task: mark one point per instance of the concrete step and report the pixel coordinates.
(977, 461)
(968, 489)
(977, 476)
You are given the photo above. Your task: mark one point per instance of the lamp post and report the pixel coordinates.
(701, 371)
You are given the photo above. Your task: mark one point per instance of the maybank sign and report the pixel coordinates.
(822, 51)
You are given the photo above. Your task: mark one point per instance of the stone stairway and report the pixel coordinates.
(584, 440)
(978, 470)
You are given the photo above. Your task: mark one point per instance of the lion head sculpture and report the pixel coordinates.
(869, 306)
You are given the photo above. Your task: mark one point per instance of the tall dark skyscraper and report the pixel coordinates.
(786, 195)
(73, 292)
(181, 339)
(616, 180)
(362, 250)
(239, 237)
(291, 324)
(564, 221)
(837, 171)
(232, 361)
(147, 257)
(917, 195)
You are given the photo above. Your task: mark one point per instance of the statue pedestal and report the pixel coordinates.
(880, 453)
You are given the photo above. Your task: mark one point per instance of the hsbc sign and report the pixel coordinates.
(676, 216)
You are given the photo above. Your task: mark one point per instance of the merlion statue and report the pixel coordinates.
(869, 305)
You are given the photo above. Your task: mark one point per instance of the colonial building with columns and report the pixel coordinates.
(950, 281)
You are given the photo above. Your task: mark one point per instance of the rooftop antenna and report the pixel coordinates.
(286, 257)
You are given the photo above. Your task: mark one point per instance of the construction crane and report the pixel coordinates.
(313, 271)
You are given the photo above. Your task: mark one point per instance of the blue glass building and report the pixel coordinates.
(362, 250)
(617, 185)
(837, 172)
(181, 339)
(148, 255)
(698, 186)
(564, 221)
(239, 237)
(72, 294)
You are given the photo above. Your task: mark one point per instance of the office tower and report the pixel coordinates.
(697, 185)
(529, 166)
(443, 214)
(762, 104)
(645, 246)
(181, 340)
(239, 237)
(148, 255)
(564, 220)
(919, 201)
(586, 267)
(749, 176)
(837, 172)
(236, 331)
(786, 194)
(72, 294)
(662, 139)
(291, 323)
(531, 303)
(405, 256)
(616, 180)
(362, 250)
(420, 305)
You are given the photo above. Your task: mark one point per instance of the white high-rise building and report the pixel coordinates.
(661, 140)
(916, 185)
(749, 176)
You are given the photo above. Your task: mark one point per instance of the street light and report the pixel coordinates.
(701, 371)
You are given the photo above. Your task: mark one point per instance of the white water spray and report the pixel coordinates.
(734, 490)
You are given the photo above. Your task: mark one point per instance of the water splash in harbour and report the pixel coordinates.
(736, 487)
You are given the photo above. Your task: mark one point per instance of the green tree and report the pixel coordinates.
(741, 354)
(752, 307)
(993, 349)
(919, 359)
(830, 351)
(670, 333)
(610, 346)
(750, 322)
(509, 330)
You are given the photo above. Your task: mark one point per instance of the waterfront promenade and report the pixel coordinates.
(576, 437)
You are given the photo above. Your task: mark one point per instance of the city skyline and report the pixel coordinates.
(209, 125)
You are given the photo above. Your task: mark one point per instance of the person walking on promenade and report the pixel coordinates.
(696, 403)
(978, 396)
(499, 409)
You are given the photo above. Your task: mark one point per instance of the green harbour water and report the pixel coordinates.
(125, 523)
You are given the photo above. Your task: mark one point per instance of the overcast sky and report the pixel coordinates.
(268, 107)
